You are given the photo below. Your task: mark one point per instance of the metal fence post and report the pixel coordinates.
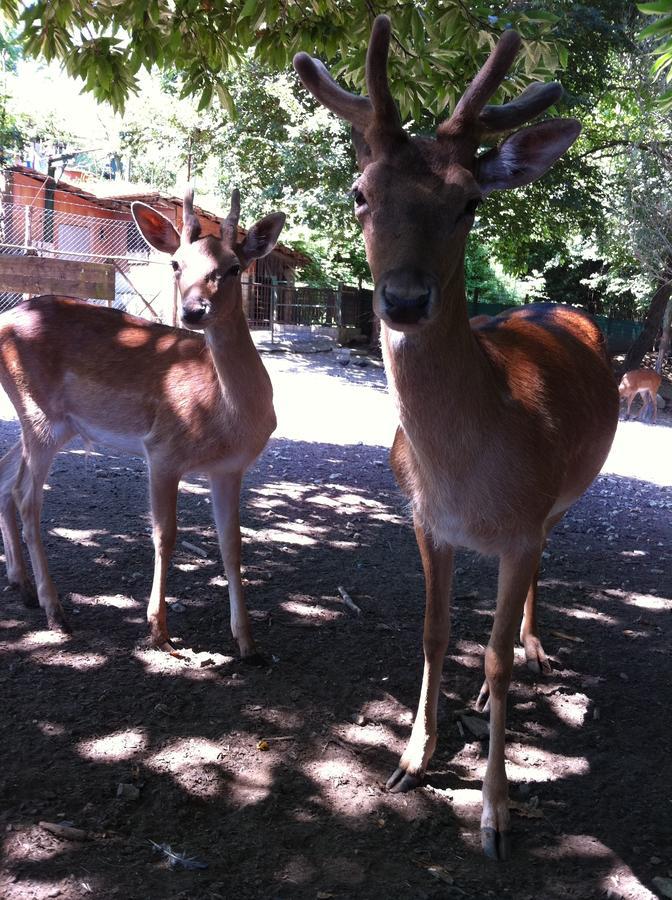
(274, 306)
(27, 240)
(339, 307)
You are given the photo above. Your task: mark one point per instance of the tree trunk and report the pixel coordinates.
(665, 338)
(654, 316)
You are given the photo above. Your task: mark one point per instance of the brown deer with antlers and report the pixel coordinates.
(503, 425)
(187, 402)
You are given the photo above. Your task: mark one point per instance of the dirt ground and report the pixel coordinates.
(588, 752)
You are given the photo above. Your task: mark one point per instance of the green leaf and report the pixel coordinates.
(652, 9)
(248, 10)
(661, 26)
(226, 100)
(206, 97)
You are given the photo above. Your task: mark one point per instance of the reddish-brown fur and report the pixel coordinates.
(644, 382)
(188, 402)
(504, 421)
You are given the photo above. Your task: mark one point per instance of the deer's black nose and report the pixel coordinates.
(193, 312)
(406, 297)
(403, 308)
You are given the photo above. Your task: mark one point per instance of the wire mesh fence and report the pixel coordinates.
(144, 283)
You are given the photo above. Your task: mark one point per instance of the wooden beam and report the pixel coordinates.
(45, 275)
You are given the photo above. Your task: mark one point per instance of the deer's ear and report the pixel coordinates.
(260, 239)
(155, 228)
(526, 155)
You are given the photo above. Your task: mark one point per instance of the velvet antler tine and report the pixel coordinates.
(191, 227)
(230, 223)
(354, 109)
(384, 108)
(487, 80)
(535, 99)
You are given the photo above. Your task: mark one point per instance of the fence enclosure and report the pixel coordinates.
(116, 267)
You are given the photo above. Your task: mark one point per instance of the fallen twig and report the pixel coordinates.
(194, 549)
(66, 831)
(349, 602)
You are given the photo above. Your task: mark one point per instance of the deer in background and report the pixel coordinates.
(187, 402)
(503, 425)
(644, 382)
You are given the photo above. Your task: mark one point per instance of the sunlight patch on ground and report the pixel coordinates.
(117, 601)
(117, 746)
(85, 537)
(643, 601)
(11, 623)
(281, 489)
(310, 610)
(279, 537)
(641, 451)
(466, 802)
(79, 661)
(347, 503)
(571, 709)
(525, 763)
(374, 735)
(576, 612)
(332, 410)
(188, 487)
(35, 639)
(185, 663)
(619, 882)
(199, 767)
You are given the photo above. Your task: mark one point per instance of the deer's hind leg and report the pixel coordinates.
(37, 454)
(17, 572)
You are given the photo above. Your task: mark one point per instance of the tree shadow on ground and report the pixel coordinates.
(588, 747)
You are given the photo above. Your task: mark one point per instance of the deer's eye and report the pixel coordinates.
(234, 270)
(213, 277)
(358, 198)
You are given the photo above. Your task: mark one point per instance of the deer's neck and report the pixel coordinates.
(244, 384)
(439, 376)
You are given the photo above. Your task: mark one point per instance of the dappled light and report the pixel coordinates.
(121, 745)
(224, 761)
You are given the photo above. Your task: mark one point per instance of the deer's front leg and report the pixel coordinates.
(163, 495)
(515, 575)
(437, 563)
(225, 490)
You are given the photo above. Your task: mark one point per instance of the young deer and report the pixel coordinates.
(187, 402)
(644, 382)
(503, 425)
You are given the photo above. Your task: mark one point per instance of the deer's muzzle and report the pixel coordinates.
(405, 298)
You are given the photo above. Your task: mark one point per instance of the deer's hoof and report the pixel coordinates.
(401, 781)
(496, 844)
(482, 703)
(28, 594)
(256, 659)
(57, 622)
(537, 661)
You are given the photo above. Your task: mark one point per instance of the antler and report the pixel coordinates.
(376, 113)
(191, 227)
(230, 223)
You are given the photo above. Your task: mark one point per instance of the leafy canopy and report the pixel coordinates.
(438, 44)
